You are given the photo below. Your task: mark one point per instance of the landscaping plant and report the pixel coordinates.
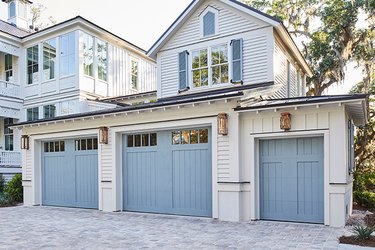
(362, 232)
(14, 190)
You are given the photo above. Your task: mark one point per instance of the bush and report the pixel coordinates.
(365, 198)
(2, 184)
(4, 200)
(14, 190)
(362, 232)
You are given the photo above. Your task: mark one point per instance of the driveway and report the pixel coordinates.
(64, 228)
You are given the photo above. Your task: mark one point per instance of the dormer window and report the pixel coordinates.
(209, 22)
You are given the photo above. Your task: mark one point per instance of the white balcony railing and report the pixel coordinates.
(10, 158)
(9, 89)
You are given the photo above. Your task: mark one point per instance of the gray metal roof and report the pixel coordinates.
(12, 30)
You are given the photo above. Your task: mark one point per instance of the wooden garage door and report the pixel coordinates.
(291, 180)
(168, 172)
(70, 173)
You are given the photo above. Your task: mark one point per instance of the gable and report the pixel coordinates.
(230, 21)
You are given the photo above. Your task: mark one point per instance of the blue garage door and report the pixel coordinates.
(168, 172)
(291, 180)
(70, 173)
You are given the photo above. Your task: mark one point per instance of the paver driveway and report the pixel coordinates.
(63, 228)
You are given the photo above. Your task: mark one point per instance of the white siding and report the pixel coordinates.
(106, 160)
(169, 75)
(281, 71)
(231, 21)
(28, 167)
(223, 162)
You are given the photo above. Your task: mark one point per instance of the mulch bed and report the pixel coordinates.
(353, 241)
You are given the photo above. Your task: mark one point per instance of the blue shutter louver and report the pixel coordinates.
(183, 71)
(237, 61)
(209, 24)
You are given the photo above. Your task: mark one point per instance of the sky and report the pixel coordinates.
(140, 22)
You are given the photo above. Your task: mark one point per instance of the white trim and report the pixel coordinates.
(254, 170)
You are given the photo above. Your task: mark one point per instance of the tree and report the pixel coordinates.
(329, 33)
(37, 16)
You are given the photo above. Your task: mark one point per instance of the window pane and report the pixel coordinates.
(88, 54)
(145, 140)
(52, 147)
(185, 137)
(224, 74)
(89, 144)
(78, 145)
(46, 148)
(176, 137)
(216, 75)
(194, 137)
(134, 74)
(67, 54)
(203, 136)
(153, 139)
(83, 145)
(203, 58)
(57, 146)
(62, 146)
(49, 56)
(195, 57)
(32, 64)
(102, 52)
(196, 78)
(138, 140)
(204, 77)
(95, 143)
(130, 141)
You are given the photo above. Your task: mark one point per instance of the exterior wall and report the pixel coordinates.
(328, 122)
(258, 44)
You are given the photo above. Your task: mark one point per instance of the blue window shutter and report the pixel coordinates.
(183, 70)
(209, 24)
(237, 61)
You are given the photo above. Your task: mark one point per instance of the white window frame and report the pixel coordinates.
(70, 55)
(49, 60)
(97, 58)
(37, 64)
(8, 70)
(201, 21)
(209, 50)
(131, 60)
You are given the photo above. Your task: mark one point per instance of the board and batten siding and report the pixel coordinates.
(120, 73)
(231, 21)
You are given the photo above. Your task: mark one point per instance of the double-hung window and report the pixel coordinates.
(8, 134)
(210, 66)
(88, 55)
(49, 111)
(32, 64)
(8, 67)
(32, 114)
(49, 59)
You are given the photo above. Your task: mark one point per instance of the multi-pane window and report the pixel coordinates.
(8, 134)
(142, 140)
(67, 54)
(134, 74)
(49, 111)
(210, 66)
(49, 59)
(192, 136)
(88, 55)
(86, 144)
(102, 56)
(32, 114)
(219, 64)
(32, 64)
(200, 68)
(54, 146)
(8, 67)
(68, 107)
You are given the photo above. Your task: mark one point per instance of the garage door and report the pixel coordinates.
(168, 172)
(70, 173)
(291, 180)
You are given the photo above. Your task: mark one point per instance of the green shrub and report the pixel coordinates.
(362, 232)
(14, 190)
(365, 198)
(4, 200)
(2, 184)
(364, 181)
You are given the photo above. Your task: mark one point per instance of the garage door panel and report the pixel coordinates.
(292, 188)
(86, 166)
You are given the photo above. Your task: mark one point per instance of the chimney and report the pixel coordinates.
(18, 11)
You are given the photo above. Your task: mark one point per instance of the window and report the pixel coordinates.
(67, 54)
(102, 56)
(54, 146)
(86, 144)
(88, 55)
(8, 68)
(12, 9)
(134, 74)
(32, 114)
(200, 68)
(210, 71)
(209, 24)
(32, 64)
(193, 136)
(49, 58)
(22, 9)
(68, 107)
(49, 111)
(351, 164)
(8, 134)
(142, 140)
(219, 64)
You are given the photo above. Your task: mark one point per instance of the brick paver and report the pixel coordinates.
(64, 228)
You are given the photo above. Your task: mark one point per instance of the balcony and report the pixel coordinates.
(10, 158)
(9, 89)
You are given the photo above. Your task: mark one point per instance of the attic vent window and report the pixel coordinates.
(12, 10)
(209, 22)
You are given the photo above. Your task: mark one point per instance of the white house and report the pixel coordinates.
(231, 135)
(61, 70)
